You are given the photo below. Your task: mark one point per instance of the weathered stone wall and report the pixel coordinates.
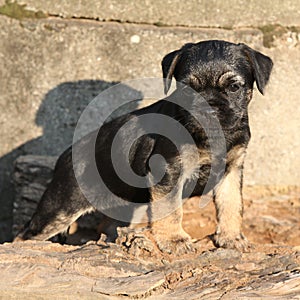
(56, 56)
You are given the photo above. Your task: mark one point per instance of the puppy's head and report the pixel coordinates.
(222, 73)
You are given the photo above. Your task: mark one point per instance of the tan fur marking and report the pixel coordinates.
(230, 74)
(192, 160)
(235, 157)
(249, 95)
(228, 197)
(168, 227)
(229, 203)
(60, 224)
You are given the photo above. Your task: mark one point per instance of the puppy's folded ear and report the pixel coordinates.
(169, 63)
(168, 67)
(262, 66)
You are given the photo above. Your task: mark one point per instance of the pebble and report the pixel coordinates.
(135, 39)
(245, 267)
(297, 248)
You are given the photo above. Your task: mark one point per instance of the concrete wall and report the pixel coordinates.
(58, 58)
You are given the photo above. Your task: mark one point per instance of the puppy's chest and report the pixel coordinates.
(201, 163)
(199, 170)
(195, 162)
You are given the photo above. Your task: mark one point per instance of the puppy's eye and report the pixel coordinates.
(233, 87)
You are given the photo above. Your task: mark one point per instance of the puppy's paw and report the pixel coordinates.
(175, 244)
(231, 241)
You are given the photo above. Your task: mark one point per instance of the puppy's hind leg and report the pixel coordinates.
(59, 207)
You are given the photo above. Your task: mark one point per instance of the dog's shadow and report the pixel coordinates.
(57, 115)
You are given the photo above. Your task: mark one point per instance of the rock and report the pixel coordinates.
(31, 177)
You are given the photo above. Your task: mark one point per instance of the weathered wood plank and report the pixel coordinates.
(45, 268)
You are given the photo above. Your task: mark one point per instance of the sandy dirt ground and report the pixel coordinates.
(271, 216)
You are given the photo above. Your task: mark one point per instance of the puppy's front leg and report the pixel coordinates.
(229, 203)
(166, 223)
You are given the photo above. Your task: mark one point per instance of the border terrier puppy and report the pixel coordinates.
(214, 84)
